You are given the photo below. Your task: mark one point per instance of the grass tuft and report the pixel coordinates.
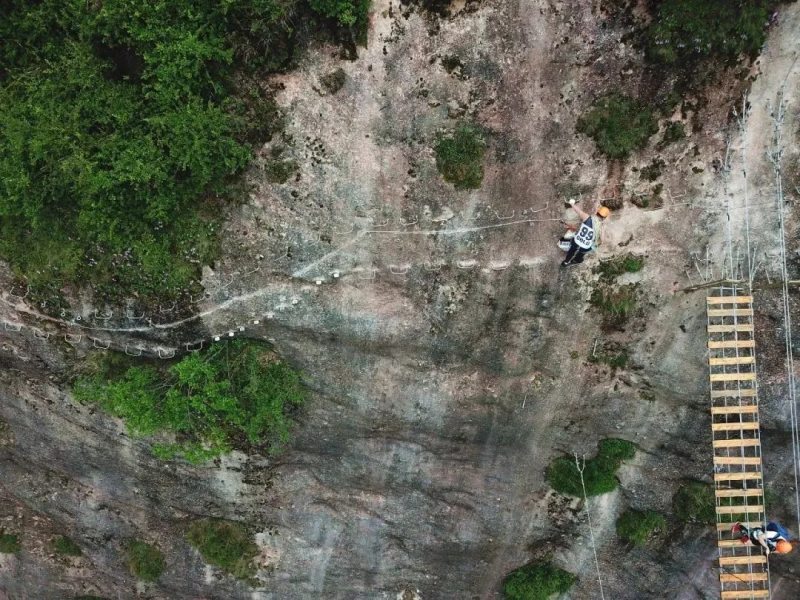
(146, 562)
(694, 503)
(459, 156)
(637, 527)
(64, 545)
(9, 543)
(618, 124)
(599, 474)
(224, 544)
(537, 581)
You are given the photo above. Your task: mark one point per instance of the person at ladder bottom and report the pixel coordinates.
(773, 537)
(588, 236)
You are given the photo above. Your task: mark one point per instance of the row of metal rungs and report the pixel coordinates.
(736, 443)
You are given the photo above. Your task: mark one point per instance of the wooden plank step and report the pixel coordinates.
(749, 525)
(745, 509)
(737, 493)
(729, 299)
(730, 312)
(740, 443)
(735, 543)
(734, 393)
(740, 426)
(732, 377)
(739, 577)
(753, 559)
(746, 476)
(713, 344)
(734, 410)
(730, 328)
(732, 360)
(731, 594)
(737, 460)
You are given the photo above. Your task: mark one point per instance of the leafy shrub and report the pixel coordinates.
(334, 81)
(350, 13)
(610, 353)
(64, 545)
(224, 544)
(615, 304)
(459, 156)
(618, 125)
(637, 527)
(145, 561)
(694, 503)
(121, 126)
(685, 30)
(537, 581)
(279, 171)
(673, 132)
(599, 473)
(235, 391)
(9, 543)
(614, 267)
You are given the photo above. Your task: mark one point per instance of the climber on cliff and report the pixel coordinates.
(588, 236)
(773, 537)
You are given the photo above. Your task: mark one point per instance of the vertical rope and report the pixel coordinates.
(581, 465)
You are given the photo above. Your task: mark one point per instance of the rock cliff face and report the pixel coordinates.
(448, 357)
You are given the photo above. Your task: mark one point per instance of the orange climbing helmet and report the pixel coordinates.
(603, 211)
(783, 547)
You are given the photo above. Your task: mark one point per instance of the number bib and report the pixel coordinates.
(585, 236)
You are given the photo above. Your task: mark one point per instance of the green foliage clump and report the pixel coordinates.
(694, 503)
(599, 473)
(614, 267)
(234, 392)
(224, 544)
(146, 562)
(350, 13)
(64, 545)
(610, 353)
(637, 527)
(459, 156)
(615, 304)
(686, 30)
(673, 132)
(618, 125)
(122, 124)
(279, 171)
(9, 543)
(537, 581)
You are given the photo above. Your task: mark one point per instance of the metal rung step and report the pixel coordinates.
(738, 493)
(733, 377)
(734, 393)
(753, 559)
(746, 476)
(753, 509)
(733, 360)
(734, 410)
(729, 299)
(740, 577)
(725, 595)
(749, 525)
(737, 443)
(737, 460)
(737, 543)
(742, 425)
(730, 312)
(713, 345)
(730, 328)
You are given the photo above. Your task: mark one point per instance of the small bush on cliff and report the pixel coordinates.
(64, 545)
(233, 391)
(599, 474)
(146, 562)
(224, 544)
(459, 156)
(637, 527)
(9, 543)
(690, 29)
(618, 125)
(694, 503)
(537, 581)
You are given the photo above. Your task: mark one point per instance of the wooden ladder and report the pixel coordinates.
(738, 475)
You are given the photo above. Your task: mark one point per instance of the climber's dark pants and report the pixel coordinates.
(575, 254)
